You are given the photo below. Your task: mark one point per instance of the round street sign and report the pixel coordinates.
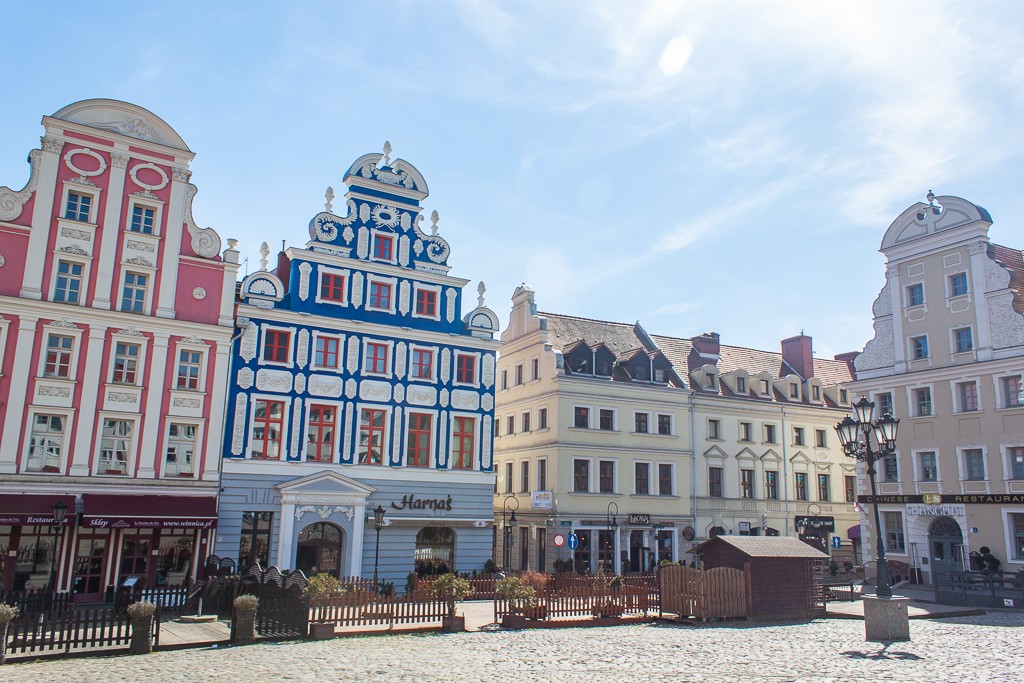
(559, 540)
(574, 541)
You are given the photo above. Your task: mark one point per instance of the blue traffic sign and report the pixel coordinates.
(574, 541)
(837, 542)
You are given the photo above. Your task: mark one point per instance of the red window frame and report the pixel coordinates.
(380, 296)
(323, 422)
(462, 443)
(325, 352)
(267, 421)
(418, 451)
(372, 427)
(376, 358)
(426, 302)
(422, 363)
(275, 345)
(465, 369)
(384, 247)
(332, 287)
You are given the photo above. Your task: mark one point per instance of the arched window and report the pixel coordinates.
(435, 550)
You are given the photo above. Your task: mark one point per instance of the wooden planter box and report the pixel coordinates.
(608, 609)
(453, 624)
(535, 613)
(321, 631)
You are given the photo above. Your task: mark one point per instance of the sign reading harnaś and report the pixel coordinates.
(946, 498)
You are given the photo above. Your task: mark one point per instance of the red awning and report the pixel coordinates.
(148, 512)
(853, 532)
(22, 509)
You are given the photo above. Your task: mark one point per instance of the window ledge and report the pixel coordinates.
(595, 493)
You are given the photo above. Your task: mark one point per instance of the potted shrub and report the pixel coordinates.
(8, 614)
(320, 590)
(451, 588)
(243, 625)
(522, 599)
(140, 614)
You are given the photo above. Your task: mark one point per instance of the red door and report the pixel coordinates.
(89, 580)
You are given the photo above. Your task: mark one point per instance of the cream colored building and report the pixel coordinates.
(947, 359)
(644, 445)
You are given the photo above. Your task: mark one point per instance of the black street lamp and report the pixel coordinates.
(60, 512)
(378, 522)
(612, 522)
(509, 527)
(855, 435)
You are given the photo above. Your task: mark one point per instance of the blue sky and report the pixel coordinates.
(699, 166)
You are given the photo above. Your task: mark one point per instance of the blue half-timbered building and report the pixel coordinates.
(356, 382)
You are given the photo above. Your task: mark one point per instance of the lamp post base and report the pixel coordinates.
(886, 619)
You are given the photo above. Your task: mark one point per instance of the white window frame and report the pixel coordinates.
(285, 425)
(1004, 450)
(524, 481)
(78, 259)
(535, 369)
(641, 412)
(156, 205)
(671, 424)
(140, 363)
(390, 364)
(591, 475)
(907, 300)
(526, 422)
(794, 388)
(542, 464)
(393, 282)
(510, 476)
(997, 381)
(915, 455)
(910, 347)
(952, 340)
(93, 192)
(615, 476)
(327, 270)
(590, 416)
(317, 335)
(339, 426)
(650, 487)
(477, 368)
(903, 531)
(292, 334)
(961, 461)
(133, 447)
(739, 431)
(949, 284)
(519, 374)
(615, 419)
(717, 422)
(775, 434)
(68, 414)
(393, 236)
(954, 390)
(475, 458)
(543, 410)
(422, 286)
(657, 477)
(76, 347)
(1008, 534)
(435, 359)
(197, 450)
(510, 424)
(912, 400)
(147, 302)
(504, 380)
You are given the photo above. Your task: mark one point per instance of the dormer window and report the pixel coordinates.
(640, 372)
(741, 385)
(845, 398)
(581, 365)
(765, 387)
(794, 391)
(603, 368)
(659, 375)
(709, 380)
(816, 392)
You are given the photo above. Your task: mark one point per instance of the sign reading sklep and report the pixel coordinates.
(941, 510)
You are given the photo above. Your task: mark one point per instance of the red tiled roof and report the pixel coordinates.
(1013, 261)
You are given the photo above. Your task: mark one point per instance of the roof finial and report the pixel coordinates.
(329, 196)
(480, 289)
(387, 150)
(264, 253)
(434, 217)
(931, 198)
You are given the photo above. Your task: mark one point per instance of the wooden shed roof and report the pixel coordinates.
(765, 546)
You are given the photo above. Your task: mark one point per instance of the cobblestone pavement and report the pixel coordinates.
(986, 648)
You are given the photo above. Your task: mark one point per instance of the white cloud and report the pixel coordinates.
(675, 55)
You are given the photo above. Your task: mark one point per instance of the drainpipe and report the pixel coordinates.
(223, 432)
(785, 467)
(693, 454)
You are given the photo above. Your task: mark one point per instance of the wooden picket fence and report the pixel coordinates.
(360, 608)
(483, 589)
(719, 593)
(579, 601)
(52, 632)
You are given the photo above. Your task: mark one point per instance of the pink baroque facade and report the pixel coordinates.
(116, 315)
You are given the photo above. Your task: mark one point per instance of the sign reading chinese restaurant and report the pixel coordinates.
(941, 510)
(958, 498)
(541, 500)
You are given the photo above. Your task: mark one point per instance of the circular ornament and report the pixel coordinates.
(149, 167)
(386, 216)
(198, 293)
(68, 161)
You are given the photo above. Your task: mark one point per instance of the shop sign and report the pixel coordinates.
(942, 510)
(566, 522)
(640, 519)
(688, 533)
(16, 519)
(939, 498)
(541, 500)
(147, 523)
(815, 523)
(411, 502)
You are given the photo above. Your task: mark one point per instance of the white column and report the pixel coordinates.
(42, 218)
(17, 399)
(983, 343)
(616, 562)
(675, 544)
(216, 411)
(168, 267)
(892, 274)
(285, 547)
(355, 564)
(91, 401)
(103, 263)
(152, 415)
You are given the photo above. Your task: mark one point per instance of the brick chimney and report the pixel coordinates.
(707, 345)
(798, 353)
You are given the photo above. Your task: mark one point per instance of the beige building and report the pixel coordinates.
(947, 360)
(643, 445)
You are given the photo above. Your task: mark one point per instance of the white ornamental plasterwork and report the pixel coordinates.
(149, 167)
(324, 511)
(465, 400)
(58, 392)
(304, 271)
(399, 393)
(193, 340)
(302, 352)
(185, 402)
(346, 438)
(446, 365)
(325, 385)
(262, 303)
(351, 388)
(364, 213)
(247, 344)
(883, 304)
(442, 448)
(487, 403)
(122, 397)
(130, 332)
(54, 145)
(417, 247)
(139, 261)
(300, 384)
(82, 173)
(400, 358)
(357, 290)
(145, 194)
(485, 447)
(238, 428)
(119, 160)
(449, 313)
(879, 352)
(421, 396)
(65, 323)
(1006, 324)
(996, 277)
(3, 261)
(77, 251)
(76, 234)
(443, 398)
(274, 380)
(403, 250)
(199, 293)
(147, 247)
(373, 390)
(386, 216)
(396, 436)
(352, 357)
(180, 174)
(296, 426)
(205, 241)
(487, 375)
(403, 297)
(246, 378)
(363, 245)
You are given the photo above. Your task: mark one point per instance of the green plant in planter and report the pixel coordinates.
(8, 614)
(451, 588)
(616, 582)
(141, 610)
(321, 588)
(518, 595)
(412, 580)
(246, 602)
(386, 588)
(563, 566)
